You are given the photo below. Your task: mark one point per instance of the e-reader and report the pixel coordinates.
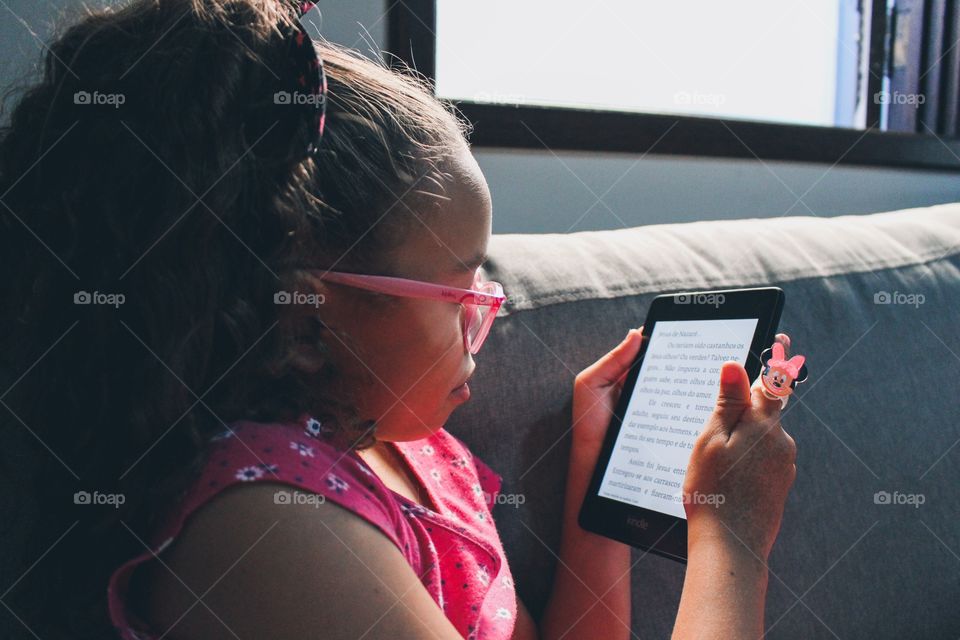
(636, 492)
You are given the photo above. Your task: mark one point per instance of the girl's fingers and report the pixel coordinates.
(611, 367)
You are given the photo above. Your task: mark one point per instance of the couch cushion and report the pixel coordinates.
(878, 414)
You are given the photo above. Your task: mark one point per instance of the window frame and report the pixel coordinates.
(411, 38)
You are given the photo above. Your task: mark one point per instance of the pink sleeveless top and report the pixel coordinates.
(455, 549)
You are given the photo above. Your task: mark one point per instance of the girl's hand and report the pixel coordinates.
(741, 468)
(595, 393)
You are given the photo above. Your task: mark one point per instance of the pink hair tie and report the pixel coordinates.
(310, 91)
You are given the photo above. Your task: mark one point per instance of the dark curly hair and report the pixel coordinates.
(185, 207)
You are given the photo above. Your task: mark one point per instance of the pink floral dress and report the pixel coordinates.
(455, 549)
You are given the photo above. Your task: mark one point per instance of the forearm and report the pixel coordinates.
(591, 590)
(723, 593)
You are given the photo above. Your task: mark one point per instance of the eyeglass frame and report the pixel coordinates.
(407, 288)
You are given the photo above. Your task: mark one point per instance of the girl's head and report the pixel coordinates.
(408, 354)
(180, 212)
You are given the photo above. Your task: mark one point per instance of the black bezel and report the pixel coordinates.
(650, 530)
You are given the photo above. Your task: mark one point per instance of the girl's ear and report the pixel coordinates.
(303, 316)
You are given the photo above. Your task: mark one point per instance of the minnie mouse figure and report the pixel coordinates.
(780, 376)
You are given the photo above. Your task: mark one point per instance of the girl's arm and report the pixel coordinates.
(591, 589)
(247, 567)
(745, 456)
(742, 454)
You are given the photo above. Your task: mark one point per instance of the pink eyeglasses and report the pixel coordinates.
(480, 304)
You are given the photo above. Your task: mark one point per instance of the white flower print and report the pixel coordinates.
(337, 484)
(507, 583)
(459, 463)
(223, 435)
(427, 450)
(314, 427)
(481, 515)
(477, 490)
(248, 474)
(483, 576)
(412, 511)
(364, 468)
(302, 449)
(502, 612)
(435, 474)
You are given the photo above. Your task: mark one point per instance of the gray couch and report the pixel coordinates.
(879, 413)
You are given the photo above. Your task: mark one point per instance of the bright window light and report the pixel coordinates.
(749, 59)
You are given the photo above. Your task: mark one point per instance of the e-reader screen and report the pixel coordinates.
(675, 393)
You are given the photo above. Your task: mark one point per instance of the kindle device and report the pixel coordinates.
(635, 495)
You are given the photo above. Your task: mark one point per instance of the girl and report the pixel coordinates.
(240, 439)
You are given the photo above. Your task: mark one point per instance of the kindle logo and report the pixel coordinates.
(638, 522)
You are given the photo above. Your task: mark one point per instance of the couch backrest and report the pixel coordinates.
(879, 413)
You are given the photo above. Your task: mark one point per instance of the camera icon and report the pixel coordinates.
(281, 97)
(82, 297)
(281, 497)
(881, 497)
(81, 97)
(881, 297)
(681, 298)
(81, 497)
(281, 297)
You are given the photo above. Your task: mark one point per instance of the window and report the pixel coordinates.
(862, 82)
(775, 62)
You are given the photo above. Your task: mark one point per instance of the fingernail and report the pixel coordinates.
(728, 375)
